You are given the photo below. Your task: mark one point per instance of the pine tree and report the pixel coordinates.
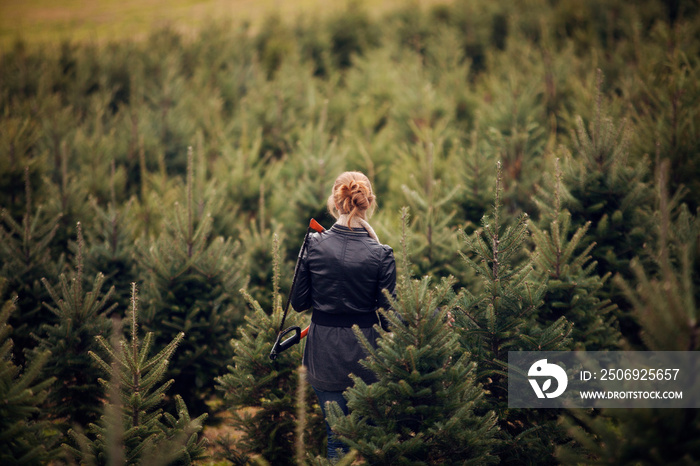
(515, 119)
(81, 316)
(665, 87)
(257, 241)
(423, 408)
(26, 258)
(134, 429)
(66, 195)
(17, 141)
(501, 318)
(664, 302)
(190, 280)
(613, 194)
(310, 172)
(110, 246)
(351, 33)
(257, 234)
(573, 287)
(25, 436)
(248, 174)
(433, 200)
(475, 170)
(259, 393)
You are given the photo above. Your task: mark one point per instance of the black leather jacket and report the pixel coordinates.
(343, 273)
(341, 276)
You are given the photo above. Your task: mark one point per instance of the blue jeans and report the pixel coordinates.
(323, 398)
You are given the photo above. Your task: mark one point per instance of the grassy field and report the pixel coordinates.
(46, 21)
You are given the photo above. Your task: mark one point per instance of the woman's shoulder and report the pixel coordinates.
(385, 247)
(388, 252)
(382, 252)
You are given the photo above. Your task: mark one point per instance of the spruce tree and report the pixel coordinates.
(26, 437)
(664, 302)
(573, 287)
(248, 176)
(613, 194)
(352, 32)
(256, 241)
(259, 393)
(423, 407)
(133, 428)
(664, 86)
(433, 200)
(66, 195)
(17, 141)
(190, 280)
(257, 238)
(110, 246)
(663, 296)
(26, 258)
(81, 316)
(475, 171)
(500, 318)
(516, 118)
(309, 173)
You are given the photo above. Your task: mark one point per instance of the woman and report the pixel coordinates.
(342, 276)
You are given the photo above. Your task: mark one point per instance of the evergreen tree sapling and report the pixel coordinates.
(665, 87)
(66, 194)
(516, 121)
(474, 170)
(110, 246)
(133, 428)
(256, 241)
(26, 257)
(423, 408)
(309, 171)
(81, 316)
(18, 168)
(190, 281)
(664, 302)
(25, 436)
(573, 287)
(259, 393)
(501, 317)
(433, 200)
(613, 194)
(248, 179)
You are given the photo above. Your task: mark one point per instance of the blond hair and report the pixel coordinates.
(352, 195)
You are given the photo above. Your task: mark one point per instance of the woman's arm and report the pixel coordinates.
(387, 281)
(301, 294)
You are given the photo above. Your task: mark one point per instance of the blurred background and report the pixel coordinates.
(100, 21)
(536, 161)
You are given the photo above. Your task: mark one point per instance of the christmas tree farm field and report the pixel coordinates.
(536, 173)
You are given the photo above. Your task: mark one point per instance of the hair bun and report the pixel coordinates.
(352, 194)
(360, 195)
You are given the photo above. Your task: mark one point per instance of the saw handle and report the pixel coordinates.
(314, 225)
(281, 345)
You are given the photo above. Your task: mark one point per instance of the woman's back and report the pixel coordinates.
(346, 271)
